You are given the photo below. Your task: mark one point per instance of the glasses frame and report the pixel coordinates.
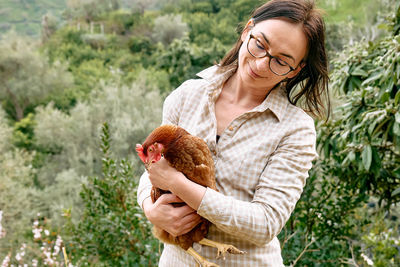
(269, 56)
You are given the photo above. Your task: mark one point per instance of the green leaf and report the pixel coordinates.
(371, 127)
(359, 72)
(397, 97)
(396, 128)
(396, 192)
(385, 97)
(376, 76)
(397, 116)
(367, 157)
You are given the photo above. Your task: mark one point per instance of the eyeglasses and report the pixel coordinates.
(276, 65)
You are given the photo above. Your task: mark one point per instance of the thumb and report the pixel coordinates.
(169, 198)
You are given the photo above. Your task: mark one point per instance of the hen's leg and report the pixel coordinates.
(202, 261)
(222, 248)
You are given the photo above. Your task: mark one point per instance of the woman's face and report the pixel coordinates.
(281, 39)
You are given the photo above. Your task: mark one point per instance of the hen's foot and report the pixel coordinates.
(222, 248)
(202, 261)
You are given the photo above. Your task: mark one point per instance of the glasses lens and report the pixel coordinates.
(255, 48)
(278, 67)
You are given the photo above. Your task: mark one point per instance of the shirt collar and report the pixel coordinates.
(276, 101)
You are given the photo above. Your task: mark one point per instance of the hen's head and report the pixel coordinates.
(149, 154)
(158, 140)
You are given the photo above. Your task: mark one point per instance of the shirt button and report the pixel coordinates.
(230, 128)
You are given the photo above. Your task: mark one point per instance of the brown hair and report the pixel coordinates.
(313, 77)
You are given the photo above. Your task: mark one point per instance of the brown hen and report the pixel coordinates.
(191, 156)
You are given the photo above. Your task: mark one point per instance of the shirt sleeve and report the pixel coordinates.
(171, 111)
(276, 194)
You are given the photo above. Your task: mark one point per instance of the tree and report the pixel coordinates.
(139, 5)
(89, 10)
(70, 139)
(169, 27)
(26, 77)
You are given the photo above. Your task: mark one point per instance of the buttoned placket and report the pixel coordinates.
(212, 97)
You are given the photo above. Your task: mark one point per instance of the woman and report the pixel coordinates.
(262, 143)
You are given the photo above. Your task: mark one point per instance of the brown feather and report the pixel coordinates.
(191, 156)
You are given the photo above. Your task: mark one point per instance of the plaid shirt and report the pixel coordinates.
(262, 160)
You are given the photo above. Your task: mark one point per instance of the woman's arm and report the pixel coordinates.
(276, 194)
(174, 220)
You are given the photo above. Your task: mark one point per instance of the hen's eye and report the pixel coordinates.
(150, 149)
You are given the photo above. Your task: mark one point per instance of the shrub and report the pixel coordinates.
(113, 230)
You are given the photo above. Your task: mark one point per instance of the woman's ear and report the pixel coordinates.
(250, 24)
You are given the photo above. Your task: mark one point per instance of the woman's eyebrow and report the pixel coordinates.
(283, 54)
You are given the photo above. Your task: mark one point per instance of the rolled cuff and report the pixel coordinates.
(144, 188)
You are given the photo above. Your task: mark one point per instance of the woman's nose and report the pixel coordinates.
(263, 64)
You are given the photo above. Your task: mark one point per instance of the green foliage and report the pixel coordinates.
(322, 218)
(204, 28)
(23, 132)
(182, 60)
(366, 139)
(141, 44)
(89, 10)
(43, 248)
(17, 198)
(71, 138)
(243, 8)
(167, 28)
(113, 230)
(359, 158)
(121, 74)
(25, 17)
(26, 77)
(120, 21)
(5, 132)
(176, 61)
(381, 237)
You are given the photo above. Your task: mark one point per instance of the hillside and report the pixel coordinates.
(25, 16)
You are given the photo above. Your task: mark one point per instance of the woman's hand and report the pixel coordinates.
(175, 220)
(162, 175)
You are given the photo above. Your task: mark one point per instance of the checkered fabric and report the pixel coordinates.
(262, 160)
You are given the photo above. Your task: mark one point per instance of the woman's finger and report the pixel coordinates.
(188, 227)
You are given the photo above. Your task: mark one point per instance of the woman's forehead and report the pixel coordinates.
(283, 36)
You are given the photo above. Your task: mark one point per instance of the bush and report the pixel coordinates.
(359, 158)
(113, 230)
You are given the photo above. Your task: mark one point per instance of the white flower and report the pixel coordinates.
(57, 246)
(2, 231)
(46, 232)
(367, 260)
(6, 261)
(36, 233)
(18, 257)
(35, 263)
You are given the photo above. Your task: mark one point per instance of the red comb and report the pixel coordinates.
(139, 150)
